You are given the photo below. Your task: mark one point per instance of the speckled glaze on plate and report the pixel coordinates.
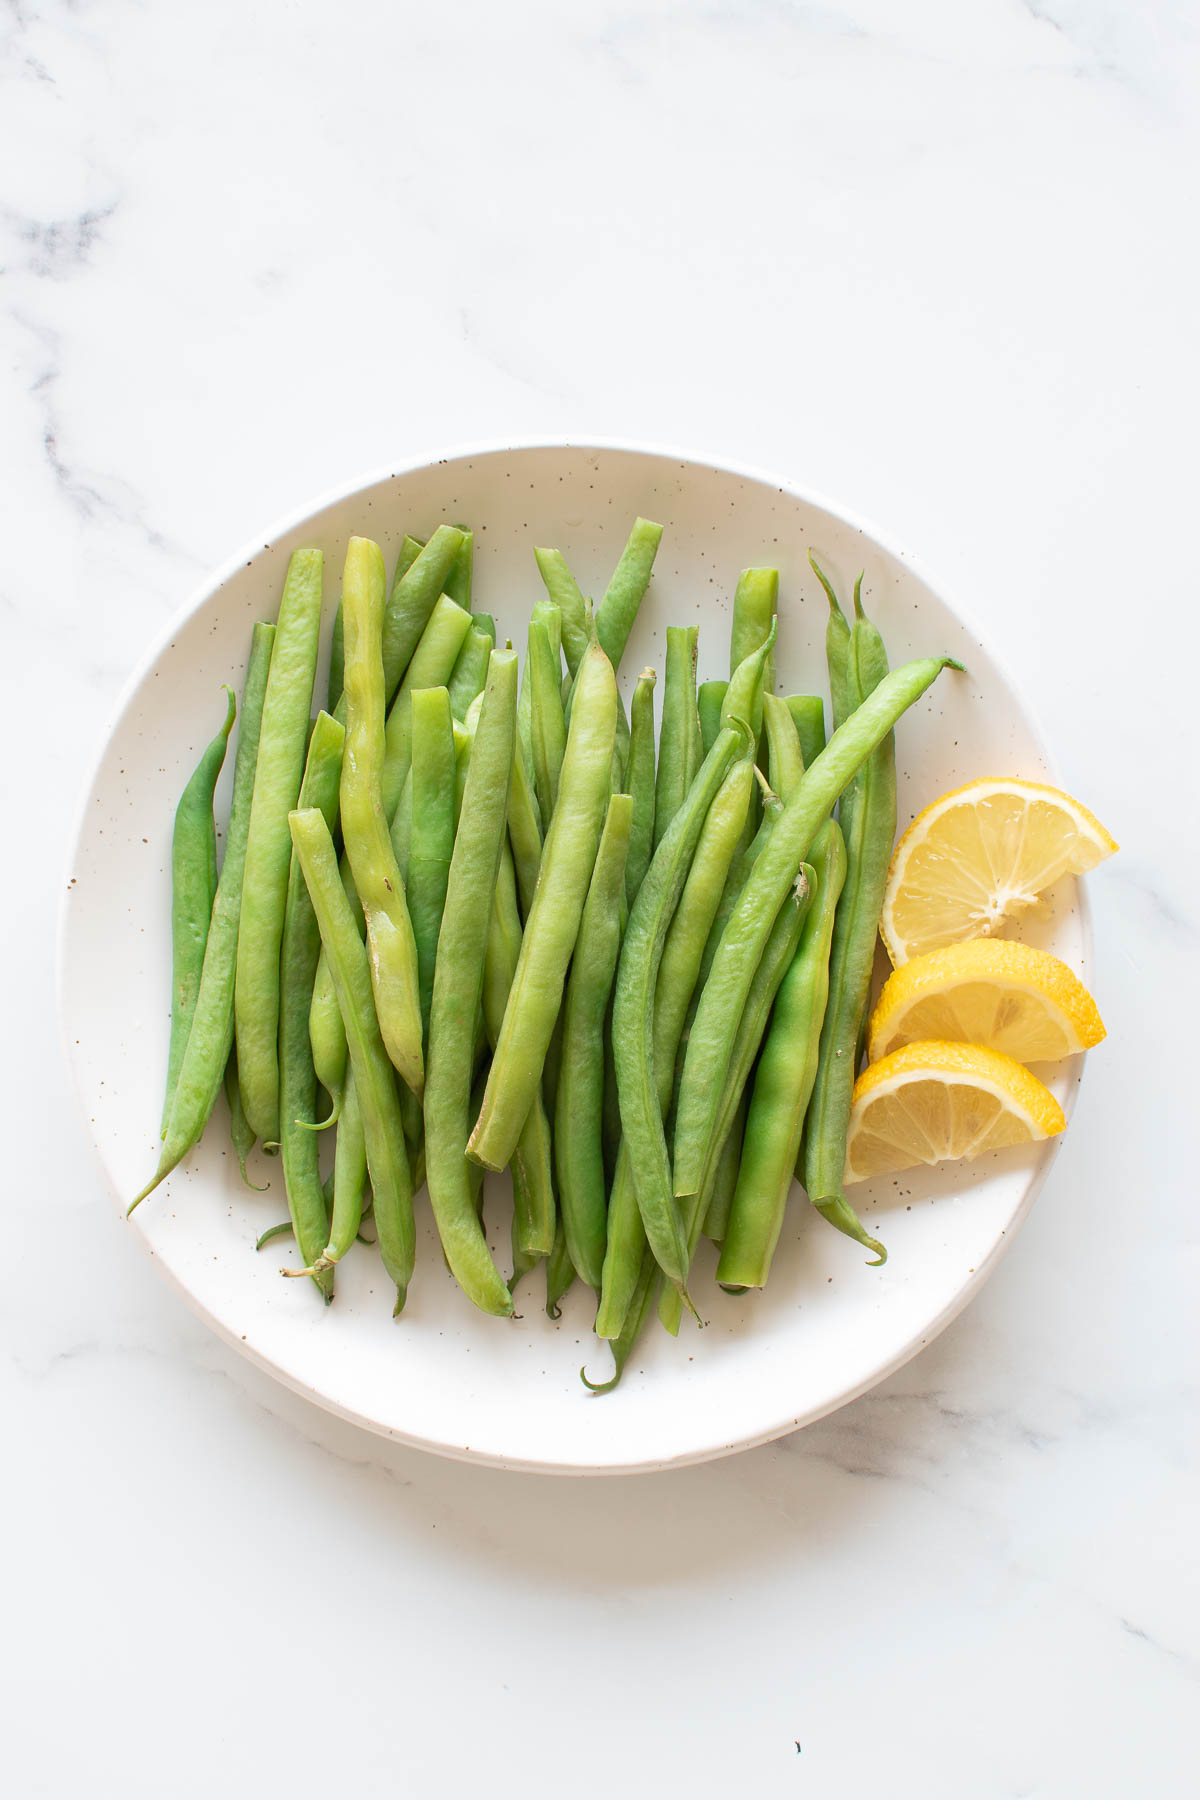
(443, 1377)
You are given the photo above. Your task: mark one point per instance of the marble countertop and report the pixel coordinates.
(937, 261)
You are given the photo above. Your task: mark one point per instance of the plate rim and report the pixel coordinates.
(206, 589)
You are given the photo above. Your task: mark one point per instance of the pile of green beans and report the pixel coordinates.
(474, 919)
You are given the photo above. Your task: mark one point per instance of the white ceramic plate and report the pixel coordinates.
(444, 1377)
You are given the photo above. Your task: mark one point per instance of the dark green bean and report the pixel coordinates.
(553, 921)
(677, 974)
(783, 1083)
(579, 1104)
(633, 1010)
(868, 817)
(299, 950)
(777, 955)
(283, 740)
(374, 1077)
(431, 842)
(524, 834)
(623, 596)
(640, 784)
(457, 990)
(710, 699)
(679, 737)
(211, 1036)
(484, 622)
(744, 938)
(193, 890)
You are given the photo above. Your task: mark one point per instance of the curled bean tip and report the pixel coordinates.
(599, 1387)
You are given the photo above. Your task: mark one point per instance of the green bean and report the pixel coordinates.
(710, 699)
(402, 822)
(623, 596)
(868, 817)
(677, 975)
(740, 950)
(780, 948)
(327, 1035)
(783, 1083)
(785, 759)
(640, 784)
(193, 890)
(392, 947)
(337, 659)
(299, 950)
(808, 716)
(564, 591)
(457, 989)
(725, 1175)
(523, 1261)
(552, 924)
(484, 622)
(432, 829)
(551, 617)
(532, 1162)
(755, 603)
(744, 695)
(633, 1010)
(284, 735)
(645, 1292)
(349, 1177)
(374, 1077)
(524, 834)
(579, 1105)
(547, 724)
(458, 576)
(410, 549)
(470, 671)
(211, 1036)
(560, 1272)
(837, 652)
(679, 738)
(432, 665)
(240, 1134)
(416, 588)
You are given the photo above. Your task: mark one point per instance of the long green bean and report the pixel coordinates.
(579, 1104)
(211, 1036)
(431, 842)
(868, 816)
(783, 1083)
(639, 782)
(710, 698)
(300, 947)
(392, 946)
(553, 921)
(457, 990)
(374, 1077)
(284, 737)
(679, 737)
(564, 591)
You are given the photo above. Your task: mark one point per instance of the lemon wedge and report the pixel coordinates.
(1004, 995)
(981, 856)
(935, 1102)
